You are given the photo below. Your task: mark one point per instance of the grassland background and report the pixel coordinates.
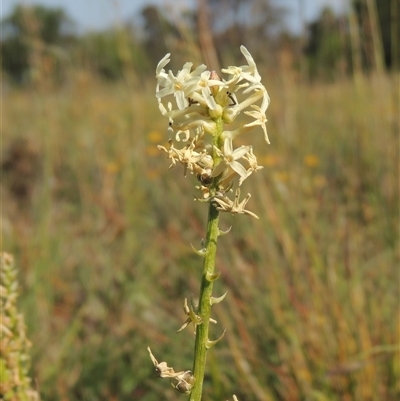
(101, 231)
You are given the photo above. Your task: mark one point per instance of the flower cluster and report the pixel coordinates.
(198, 104)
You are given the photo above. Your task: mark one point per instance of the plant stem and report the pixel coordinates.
(207, 280)
(200, 350)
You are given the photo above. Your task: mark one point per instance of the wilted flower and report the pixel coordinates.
(182, 381)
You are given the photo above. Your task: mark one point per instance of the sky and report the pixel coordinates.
(98, 14)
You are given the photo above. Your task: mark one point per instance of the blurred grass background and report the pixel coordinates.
(101, 231)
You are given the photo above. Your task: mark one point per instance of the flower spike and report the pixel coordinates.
(198, 104)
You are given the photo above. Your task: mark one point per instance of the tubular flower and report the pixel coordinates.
(198, 104)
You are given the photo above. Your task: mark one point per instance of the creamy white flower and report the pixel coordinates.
(234, 71)
(250, 72)
(260, 119)
(231, 113)
(204, 85)
(163, 62)
(247, 72)
(180, 86)
(265, 96)
(229, 158)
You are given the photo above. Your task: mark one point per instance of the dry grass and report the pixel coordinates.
(102, 233)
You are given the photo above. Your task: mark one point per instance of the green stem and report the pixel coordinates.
(207, 280)
(200, 350)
